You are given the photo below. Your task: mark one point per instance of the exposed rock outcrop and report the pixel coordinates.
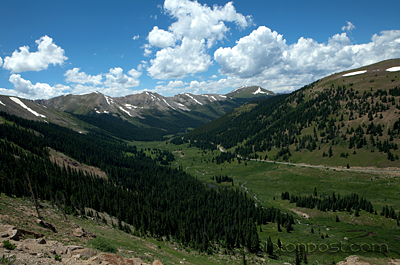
(10, 232)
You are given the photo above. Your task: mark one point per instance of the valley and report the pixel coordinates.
(310, 177)
(267, 181)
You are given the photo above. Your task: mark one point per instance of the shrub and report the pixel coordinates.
(9, 245)
(7, 260)
(103, 245)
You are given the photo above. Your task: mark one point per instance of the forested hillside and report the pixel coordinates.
(351, 114)
(156, 200)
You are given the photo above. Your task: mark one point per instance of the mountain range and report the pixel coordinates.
(89, 170)
(345, 119)
(145, 116)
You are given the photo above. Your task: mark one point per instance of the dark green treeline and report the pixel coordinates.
(157, 200)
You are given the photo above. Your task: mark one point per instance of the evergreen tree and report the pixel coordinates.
(297, 255)
(270, 247)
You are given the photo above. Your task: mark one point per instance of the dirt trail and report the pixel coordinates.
(358, 169)
(354, 169)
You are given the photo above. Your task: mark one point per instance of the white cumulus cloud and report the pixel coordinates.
(24, 88)
(265, 58)
(198, 21)
(114, 79)
(48, 53)
(184, 45)
(113, 83)
(175, 86)
(75, 76)
(1, 61)
(350, 26)
(147, 50)
(188, 58)
(253, 54)
(161, 38)
(117, 79)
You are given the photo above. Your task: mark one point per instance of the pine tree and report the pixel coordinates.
(288, 226)
(244, 259)
(297, 255)
(279, 243)
(305, 256)
(270, 246)
(357, 212)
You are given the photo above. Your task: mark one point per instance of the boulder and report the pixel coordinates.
(79, 232)
(137, 261)
(46, 225)
(6, 228)
(60, 250)
(10, 232)
(72, 248)
(41, 241)
(157, 262)
(85, 253)
(30, 233)
(15, 235)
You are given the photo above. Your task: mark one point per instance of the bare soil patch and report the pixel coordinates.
(61, 160)
(179, 152)
(304, 215)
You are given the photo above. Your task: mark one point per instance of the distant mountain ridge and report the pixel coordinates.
(147, 116)
(135, 104)
(131, 105)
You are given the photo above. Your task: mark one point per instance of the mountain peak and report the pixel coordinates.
(249, 91)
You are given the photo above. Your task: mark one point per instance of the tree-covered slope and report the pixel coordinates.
(346, 118)
(156, 200)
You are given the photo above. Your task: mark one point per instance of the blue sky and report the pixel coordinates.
(51, 48)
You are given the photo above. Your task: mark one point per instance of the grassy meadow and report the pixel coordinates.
(371, 236)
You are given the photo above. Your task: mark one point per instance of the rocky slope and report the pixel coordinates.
(24, 239)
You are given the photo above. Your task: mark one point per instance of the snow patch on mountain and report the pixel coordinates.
(168, 104)
(2, 103)
(124, 110)
(109, 100)
(16, 100)
(393, 69)
(259, 91)
(198, 102)
(129, 106)
(239, 88)
(355, 73)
